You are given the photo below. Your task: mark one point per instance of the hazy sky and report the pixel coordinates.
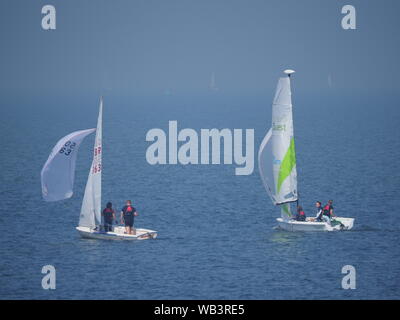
(136, 47)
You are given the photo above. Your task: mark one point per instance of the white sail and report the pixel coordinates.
(58, 173)
(91, 206)
(276, 156)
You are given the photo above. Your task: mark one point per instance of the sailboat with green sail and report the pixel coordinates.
(277, 165)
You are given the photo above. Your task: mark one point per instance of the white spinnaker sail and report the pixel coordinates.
(58, 173)
(91, 206)
(276, 156)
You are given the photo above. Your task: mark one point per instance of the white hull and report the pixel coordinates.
(292, 225)
(116, 234)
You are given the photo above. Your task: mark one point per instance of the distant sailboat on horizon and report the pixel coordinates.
(330, 81)
(213, 85)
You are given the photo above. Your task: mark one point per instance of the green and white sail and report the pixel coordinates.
(276, 156)
(91, 206)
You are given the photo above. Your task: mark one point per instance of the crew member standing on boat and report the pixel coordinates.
(128, 213)
(109, 216)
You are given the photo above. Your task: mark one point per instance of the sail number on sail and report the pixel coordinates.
(68, 148)
(96, 167)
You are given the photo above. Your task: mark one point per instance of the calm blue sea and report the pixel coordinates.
(216, 230)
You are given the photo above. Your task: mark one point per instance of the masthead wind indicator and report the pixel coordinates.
(289, 72)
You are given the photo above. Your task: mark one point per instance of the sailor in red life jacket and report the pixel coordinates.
(128, 212)
(300, 216)
(108, 215)
(328, 212)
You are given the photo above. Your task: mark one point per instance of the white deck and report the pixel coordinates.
(293, 225)
(117, 234)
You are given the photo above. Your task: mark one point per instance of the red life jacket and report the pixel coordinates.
(301, 216)
(108, 213)
(327, 210)
(128, 212)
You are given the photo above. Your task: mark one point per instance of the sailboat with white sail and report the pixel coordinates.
(213, 84)
(57, 183)
(277, 165)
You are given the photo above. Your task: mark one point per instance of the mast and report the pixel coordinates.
(289, 72)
